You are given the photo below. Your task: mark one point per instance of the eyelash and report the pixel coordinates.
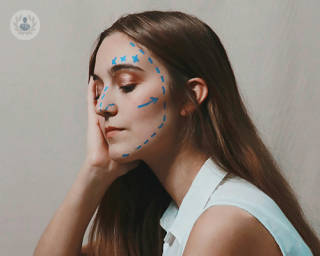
(126, 89)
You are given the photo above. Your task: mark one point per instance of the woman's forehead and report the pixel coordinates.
(118, 48)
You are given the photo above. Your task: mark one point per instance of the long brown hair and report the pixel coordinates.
(127, 219)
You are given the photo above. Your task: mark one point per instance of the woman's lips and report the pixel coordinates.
(113, 133)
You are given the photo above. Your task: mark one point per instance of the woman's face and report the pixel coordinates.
(134, 96)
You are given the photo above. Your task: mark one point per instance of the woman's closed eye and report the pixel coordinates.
(126, 89)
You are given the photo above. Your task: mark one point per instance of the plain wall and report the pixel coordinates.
(273, 47)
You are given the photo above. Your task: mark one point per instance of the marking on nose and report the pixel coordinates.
(123, 58)
(162, 79)
(160, 126)
(150, 60)
(103, 96)
(125, 155)
(141, 51)
(105, 89)
(111, 104)
(163, 90)
(114, 61)
(133, 44)
(157, 69)
(145, 142)
(153, 135)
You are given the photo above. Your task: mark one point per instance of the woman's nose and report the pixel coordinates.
(105, 103)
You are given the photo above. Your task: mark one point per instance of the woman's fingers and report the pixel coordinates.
(91, 102)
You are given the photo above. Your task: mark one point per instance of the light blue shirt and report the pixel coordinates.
(211, 187)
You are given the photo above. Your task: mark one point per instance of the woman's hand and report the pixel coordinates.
(97, 146)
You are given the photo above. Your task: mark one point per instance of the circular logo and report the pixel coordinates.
(25, 25)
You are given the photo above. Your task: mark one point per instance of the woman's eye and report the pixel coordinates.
(128, 88)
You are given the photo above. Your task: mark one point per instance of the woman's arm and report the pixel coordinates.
(64, 234)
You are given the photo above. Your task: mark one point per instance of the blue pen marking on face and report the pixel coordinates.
(103, 96)
(105, 88)
(106, 108)
(100, 104)
(135, 59)
(154, 100)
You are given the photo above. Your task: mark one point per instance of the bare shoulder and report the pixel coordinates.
(229, 230)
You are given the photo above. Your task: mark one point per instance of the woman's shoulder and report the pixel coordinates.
(228, 230)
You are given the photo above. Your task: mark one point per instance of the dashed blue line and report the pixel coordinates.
(105, 88)
(150, 60)
(162, 79)
(138, 147)
(114, 61)
(100, 104)
(163, 90)
(164, 118)
(164, 105)
(160, 125)
(153, 135)
(141, 51)
(111, 104)
(125, 154)
(157, 69)
(106, 108)
(132, 44)
(102, 96)
(145, 142)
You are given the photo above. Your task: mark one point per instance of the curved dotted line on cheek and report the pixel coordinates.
(135, 59)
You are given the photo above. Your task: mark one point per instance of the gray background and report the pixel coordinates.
(274, 49)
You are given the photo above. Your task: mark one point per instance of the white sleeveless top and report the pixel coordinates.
(210, 187)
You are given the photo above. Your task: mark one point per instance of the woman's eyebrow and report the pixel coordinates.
(118, 67)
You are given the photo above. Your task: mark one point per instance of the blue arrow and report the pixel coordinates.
(154, 100)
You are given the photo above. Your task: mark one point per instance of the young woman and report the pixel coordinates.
(174, 163)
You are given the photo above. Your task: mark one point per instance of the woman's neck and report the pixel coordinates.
(176, 171)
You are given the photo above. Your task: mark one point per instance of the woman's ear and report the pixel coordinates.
(200, 89)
